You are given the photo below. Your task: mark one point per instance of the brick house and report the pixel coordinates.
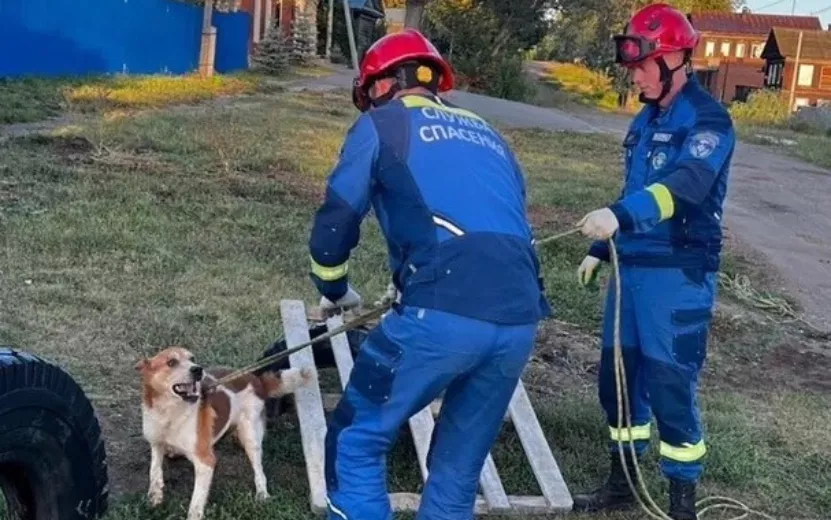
(728, 60)
(783, 53)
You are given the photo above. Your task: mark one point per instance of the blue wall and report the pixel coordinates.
(78, 37)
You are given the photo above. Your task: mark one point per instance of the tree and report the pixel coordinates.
(273, 54)
(485, 39)
(414, 13)
(583, 30)
(304, 46)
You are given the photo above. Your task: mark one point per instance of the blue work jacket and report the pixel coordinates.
(449, 196)
(677, 164)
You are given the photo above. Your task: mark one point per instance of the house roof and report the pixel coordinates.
(816, 45)
(750, 23)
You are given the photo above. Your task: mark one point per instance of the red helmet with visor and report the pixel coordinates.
(655, 31)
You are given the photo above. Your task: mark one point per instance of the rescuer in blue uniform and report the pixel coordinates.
(450, 199)
(668, 224)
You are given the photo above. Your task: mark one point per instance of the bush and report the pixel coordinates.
(763, 107)
(273, 55)
(815, 120)
(304, 45)
(504, 78)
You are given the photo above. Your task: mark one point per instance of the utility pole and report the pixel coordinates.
(258, 11)
(330, 25)
(347, 14)
(793, 7)
(207, 51)
(795, 72)
(269, 14)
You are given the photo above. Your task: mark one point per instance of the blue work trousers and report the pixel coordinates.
(405, 363)
(665, 320)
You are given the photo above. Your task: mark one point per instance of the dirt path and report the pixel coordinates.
(780, 207)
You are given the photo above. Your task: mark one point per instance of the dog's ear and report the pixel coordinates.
(141, 364)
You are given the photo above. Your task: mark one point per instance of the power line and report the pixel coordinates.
(769, 5)
(822, 10)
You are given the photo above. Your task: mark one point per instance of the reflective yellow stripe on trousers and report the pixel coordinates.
(639, 433)
(329, 274)
(686, 453)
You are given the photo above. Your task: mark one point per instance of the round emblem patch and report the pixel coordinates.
(703, 144)
(659, 160)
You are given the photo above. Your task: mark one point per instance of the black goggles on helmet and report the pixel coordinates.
(632, 49)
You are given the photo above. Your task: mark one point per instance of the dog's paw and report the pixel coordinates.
(262, 496)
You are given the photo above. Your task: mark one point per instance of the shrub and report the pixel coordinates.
(504, 78)
(486, 40)
(273, 55)
(304, 45)
(763, 107)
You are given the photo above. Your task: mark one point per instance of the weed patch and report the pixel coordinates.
(153, 91)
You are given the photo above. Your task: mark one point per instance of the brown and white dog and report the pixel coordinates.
(179, 420)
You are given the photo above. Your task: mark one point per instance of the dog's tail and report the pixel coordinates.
(284, 382)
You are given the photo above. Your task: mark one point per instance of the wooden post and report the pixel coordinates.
(208, 47)
(795, 72)
(330, 26)
(286, 17)
(347, 14)
(269, 14)
(258, 20)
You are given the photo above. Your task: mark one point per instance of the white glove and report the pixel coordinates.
(599, 224)
(347, 301)
(587, 269)
(391, 295)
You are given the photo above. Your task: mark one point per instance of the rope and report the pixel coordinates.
(741, 288)
(362, 319)
(620, 376)
(652, 509)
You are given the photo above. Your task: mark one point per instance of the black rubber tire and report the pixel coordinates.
(53, 463)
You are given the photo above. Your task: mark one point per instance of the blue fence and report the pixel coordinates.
(78, 37)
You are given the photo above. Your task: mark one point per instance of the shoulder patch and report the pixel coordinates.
(703, 144)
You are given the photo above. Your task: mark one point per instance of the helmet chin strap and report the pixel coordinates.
(666, 80)
(410, 75)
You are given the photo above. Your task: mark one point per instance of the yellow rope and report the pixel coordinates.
(652, 509)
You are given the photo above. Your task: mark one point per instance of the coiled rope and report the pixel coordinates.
(649, 506)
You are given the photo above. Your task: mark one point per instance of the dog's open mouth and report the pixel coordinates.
(187, 391)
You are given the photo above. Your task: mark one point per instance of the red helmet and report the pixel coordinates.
(388, 53)
(655, 31)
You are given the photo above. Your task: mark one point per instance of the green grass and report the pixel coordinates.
(33, 99)
(142, 230)
(569, 85)
(810, 146)
(24, 101)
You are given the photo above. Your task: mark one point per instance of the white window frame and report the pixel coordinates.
(722, 52)
(804, 77)
(710, 49)
(800, 102)
(740, 49)
(756, 50)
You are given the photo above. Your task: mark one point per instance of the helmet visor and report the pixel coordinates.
(632, 49)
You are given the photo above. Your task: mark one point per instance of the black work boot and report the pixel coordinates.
(615, 495)
(682, 500)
